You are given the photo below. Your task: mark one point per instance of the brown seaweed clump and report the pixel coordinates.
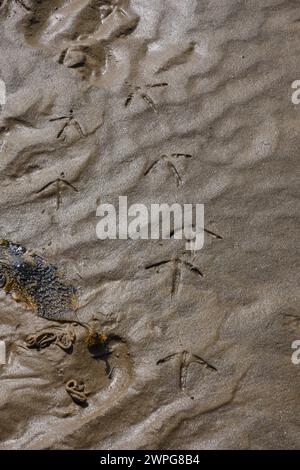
(31, 279)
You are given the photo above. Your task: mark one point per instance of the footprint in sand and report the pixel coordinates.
(81, 33)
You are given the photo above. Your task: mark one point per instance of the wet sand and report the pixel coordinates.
(81, 101)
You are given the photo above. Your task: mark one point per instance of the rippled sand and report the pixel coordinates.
(226, 68)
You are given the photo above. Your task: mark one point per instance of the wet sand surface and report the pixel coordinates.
(196, 362)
